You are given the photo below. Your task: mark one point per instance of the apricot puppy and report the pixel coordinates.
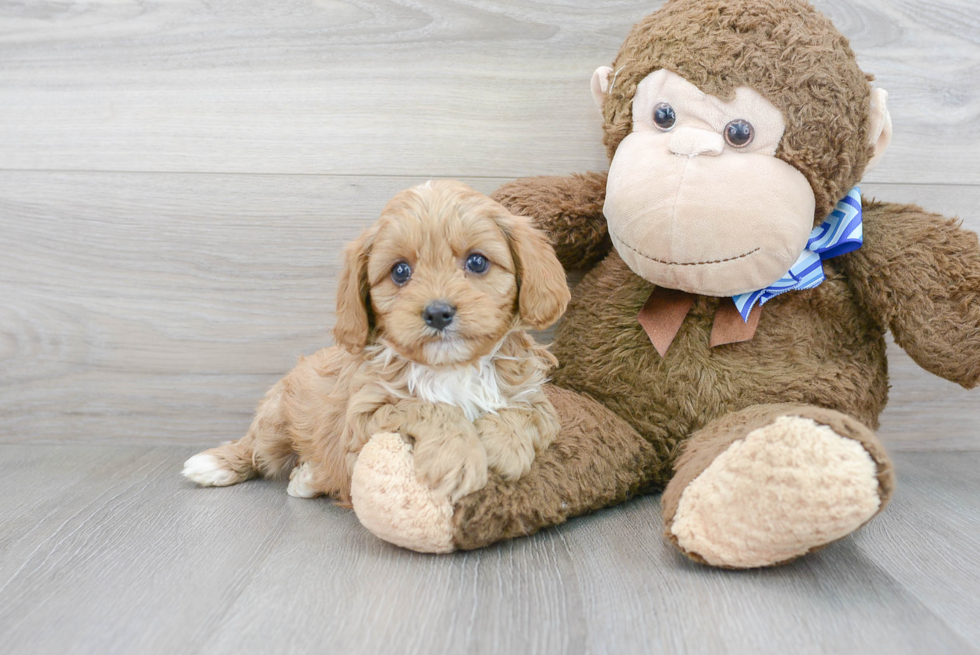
(432, 307)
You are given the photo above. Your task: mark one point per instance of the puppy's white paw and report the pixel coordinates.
(301, 482)
(209, 471)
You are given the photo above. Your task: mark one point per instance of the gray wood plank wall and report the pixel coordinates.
(176, 179)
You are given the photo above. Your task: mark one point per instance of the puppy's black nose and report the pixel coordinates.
(438, 315)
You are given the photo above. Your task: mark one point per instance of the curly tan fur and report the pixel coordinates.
(394, 373)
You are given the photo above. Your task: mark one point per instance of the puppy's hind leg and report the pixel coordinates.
(228, 464)
(266, 450)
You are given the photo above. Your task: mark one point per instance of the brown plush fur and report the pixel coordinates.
(918, 275)
(326, 408)
(816, 347)
(821, 351)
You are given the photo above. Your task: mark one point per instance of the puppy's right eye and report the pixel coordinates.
(477, 263)
(401, 273)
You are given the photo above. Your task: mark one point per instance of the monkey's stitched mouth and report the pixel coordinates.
(667, 263)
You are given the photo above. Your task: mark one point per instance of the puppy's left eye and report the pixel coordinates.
(401, 273)
(477, 263)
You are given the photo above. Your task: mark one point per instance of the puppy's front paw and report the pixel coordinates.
(453, 466)
(509, 441)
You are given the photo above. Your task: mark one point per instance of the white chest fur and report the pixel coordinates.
(476, 389)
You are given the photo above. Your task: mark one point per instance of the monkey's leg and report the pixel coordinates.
(596, 460)
(773, 482)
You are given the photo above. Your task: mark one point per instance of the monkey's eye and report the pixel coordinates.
(477, 263)
(664, 116)
(401, 273)
(739, 133)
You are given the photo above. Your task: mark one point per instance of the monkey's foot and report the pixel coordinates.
(391, 502)
(780, 491)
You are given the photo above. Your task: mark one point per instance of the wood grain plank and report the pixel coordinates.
(938, 510)
(392, 87)
(136, 559)
(159, 308)
(122, 561)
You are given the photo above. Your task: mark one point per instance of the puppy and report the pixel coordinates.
(432, 306)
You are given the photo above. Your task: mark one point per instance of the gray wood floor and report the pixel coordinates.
(176, 180)
(105, 550)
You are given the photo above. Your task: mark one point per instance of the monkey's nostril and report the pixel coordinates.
(438, 314)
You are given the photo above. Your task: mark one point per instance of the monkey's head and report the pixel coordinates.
(734, 127)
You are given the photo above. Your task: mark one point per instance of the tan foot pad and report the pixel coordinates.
(783, 490)
(391, 503)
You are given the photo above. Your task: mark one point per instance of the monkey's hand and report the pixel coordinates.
(568, 209)
(918, 274)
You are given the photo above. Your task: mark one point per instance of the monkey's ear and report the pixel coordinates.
(600, 84)
(542, 290)
(353, 324)
(881, 126)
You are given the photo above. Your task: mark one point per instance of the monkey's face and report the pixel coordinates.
(696, 199)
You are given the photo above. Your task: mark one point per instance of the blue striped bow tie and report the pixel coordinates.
(841, 233)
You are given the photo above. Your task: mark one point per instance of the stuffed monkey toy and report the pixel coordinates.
(727, 344)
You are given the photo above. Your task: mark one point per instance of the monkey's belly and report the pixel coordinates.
(815, 346)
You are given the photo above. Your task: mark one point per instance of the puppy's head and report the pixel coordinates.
(444, 274)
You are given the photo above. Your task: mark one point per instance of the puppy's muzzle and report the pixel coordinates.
(438, 315)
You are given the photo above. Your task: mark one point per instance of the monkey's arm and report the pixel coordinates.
(568, 209)
(919, 275)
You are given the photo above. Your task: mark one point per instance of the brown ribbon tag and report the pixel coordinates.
(662, 316)
(665, 310)
(729, 326)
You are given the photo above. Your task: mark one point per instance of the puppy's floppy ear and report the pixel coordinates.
(543, 292)
(354, 318)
